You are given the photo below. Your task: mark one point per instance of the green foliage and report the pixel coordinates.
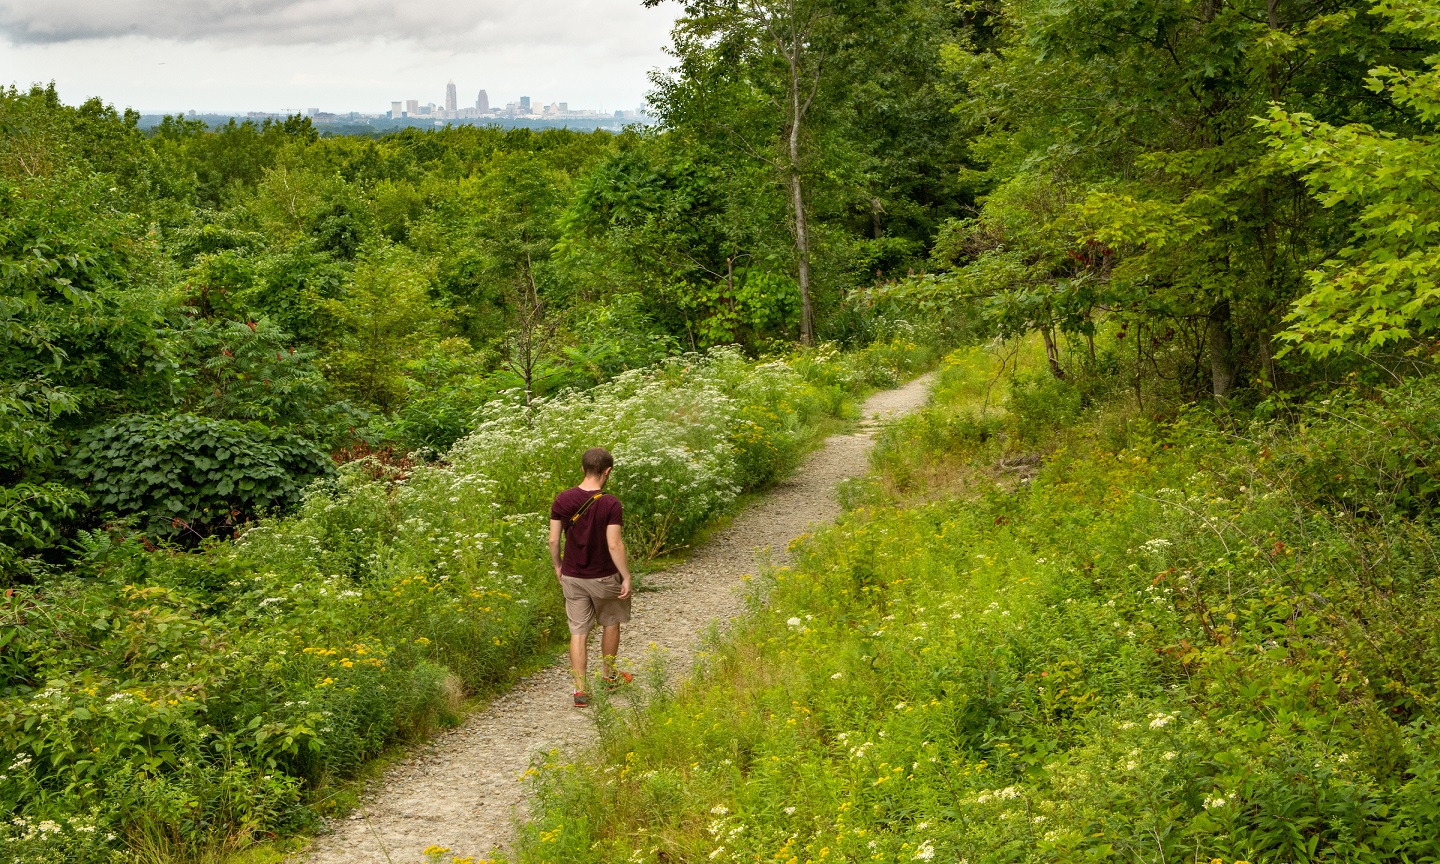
(1042, 405)
(29, 521)
(1379, 289)
(1368, 453)
(756, 303)
(252, 371)
(1125, 172)
(384, 318)
(79, 308)
(191, 476)
(448, 386)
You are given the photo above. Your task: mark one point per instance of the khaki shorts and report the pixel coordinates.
(591, 600)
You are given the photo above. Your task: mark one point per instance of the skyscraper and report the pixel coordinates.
(397, 110)
(482, 102)
(452, 104)
(524, 104)
(412, 107)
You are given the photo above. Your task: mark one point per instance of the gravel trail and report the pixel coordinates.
(462, 790)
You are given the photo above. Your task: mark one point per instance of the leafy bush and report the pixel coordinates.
(252, 371)
(29, 517)
(188, 475)
(1041, 405)
(448, 385)
(1392, 469)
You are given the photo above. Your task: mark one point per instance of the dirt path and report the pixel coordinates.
(463, 789)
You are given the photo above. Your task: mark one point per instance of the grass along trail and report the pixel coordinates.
(463, 790)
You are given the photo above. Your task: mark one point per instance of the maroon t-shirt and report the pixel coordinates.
(587, 552)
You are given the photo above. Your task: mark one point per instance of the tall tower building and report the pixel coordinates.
(452, 103)
(525, 104)
(412, 107)
(482, 102)
(397, 110)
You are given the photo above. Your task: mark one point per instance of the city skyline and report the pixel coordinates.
(160, 56)
(523, 107)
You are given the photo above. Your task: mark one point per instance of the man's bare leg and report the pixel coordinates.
(610, 648)
(579, 647)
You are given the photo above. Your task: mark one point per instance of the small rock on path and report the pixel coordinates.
(463, 789)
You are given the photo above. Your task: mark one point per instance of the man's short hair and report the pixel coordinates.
(596, 460)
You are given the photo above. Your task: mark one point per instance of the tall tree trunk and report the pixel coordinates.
(791, 30)
(1222, 352)
(797, 203)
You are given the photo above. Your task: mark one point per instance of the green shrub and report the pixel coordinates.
(1370, 452)
(1041, 405)
(30, 517)
(188, 476)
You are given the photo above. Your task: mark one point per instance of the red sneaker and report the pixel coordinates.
(615, 682)
(582, 699)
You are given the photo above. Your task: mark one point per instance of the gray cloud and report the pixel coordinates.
(463, 25)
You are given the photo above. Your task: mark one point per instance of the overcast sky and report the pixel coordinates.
(336, 55)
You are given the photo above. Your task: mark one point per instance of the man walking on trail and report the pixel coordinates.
(592, 570)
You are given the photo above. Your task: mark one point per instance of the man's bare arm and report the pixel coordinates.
(555, 545)
(616, 542)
